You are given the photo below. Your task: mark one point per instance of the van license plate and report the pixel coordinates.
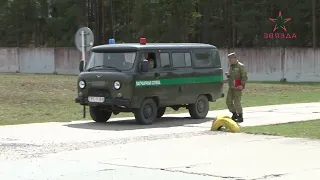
(95, 99)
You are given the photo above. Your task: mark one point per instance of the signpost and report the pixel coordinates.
(84, 40)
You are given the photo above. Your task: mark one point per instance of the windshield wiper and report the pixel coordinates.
(104, 66)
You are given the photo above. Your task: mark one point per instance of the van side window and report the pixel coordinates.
(181, 60)
(203, 59)
(216, 59)
(165, 60)
(152, 60)
(187, 58)
(151, 57)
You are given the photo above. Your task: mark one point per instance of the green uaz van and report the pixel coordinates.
(146, 78)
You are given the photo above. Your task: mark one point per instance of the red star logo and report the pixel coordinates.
(279, 22)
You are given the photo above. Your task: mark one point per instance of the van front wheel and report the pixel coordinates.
(99, 115)
(200, 108)
(147, 113)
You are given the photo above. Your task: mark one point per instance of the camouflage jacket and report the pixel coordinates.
(237, 71)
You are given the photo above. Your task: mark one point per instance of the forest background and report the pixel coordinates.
(224, 23)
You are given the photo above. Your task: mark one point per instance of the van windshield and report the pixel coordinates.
(120, 61)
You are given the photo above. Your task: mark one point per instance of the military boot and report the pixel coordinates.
(240, 118)
(234, 116)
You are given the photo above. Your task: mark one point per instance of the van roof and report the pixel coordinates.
(151, 46)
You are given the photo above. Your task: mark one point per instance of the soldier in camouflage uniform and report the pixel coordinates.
(236, 71)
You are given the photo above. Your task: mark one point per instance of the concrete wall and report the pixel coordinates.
(67, 60)
(274, 64)
(263, 64)
(36, 60)
(9, 60)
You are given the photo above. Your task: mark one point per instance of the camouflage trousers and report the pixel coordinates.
(233, 100)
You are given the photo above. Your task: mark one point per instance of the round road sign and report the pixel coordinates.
(88, 39)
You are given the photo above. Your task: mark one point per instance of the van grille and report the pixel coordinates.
(99, 93)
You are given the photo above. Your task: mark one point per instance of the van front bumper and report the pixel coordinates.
(107, 102)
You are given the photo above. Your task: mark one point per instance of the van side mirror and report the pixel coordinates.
(144, 65)
(81, 66)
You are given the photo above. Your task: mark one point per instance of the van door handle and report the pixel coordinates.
(156, 74)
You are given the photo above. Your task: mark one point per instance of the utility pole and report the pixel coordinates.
(314, 32)
(314, 23)
(112, 19)
(102, 21)
(233, 26)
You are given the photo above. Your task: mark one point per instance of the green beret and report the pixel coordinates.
(232, 55)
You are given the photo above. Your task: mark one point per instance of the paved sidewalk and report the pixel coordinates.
(172, 148)
(264, 115)
(170, 125)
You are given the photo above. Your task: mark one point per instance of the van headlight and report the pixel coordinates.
(82, 84)
(117, 85)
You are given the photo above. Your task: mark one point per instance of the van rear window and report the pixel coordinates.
(181, 60)
(165, 60)
(216, 59)
(203, 59)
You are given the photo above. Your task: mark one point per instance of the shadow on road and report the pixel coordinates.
(130, 124)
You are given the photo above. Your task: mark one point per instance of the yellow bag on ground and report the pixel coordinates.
(225, 121)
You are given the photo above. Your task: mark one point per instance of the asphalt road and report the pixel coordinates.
(173, 147)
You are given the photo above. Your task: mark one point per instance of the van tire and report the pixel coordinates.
(99, 115)
(161, 111)
(200, 108)
(147, 113)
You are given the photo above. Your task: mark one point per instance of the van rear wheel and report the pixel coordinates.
(147, 113)
(200, 108)
(161, 111)
(99, 115)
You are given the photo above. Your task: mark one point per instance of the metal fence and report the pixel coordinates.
(263, 64)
